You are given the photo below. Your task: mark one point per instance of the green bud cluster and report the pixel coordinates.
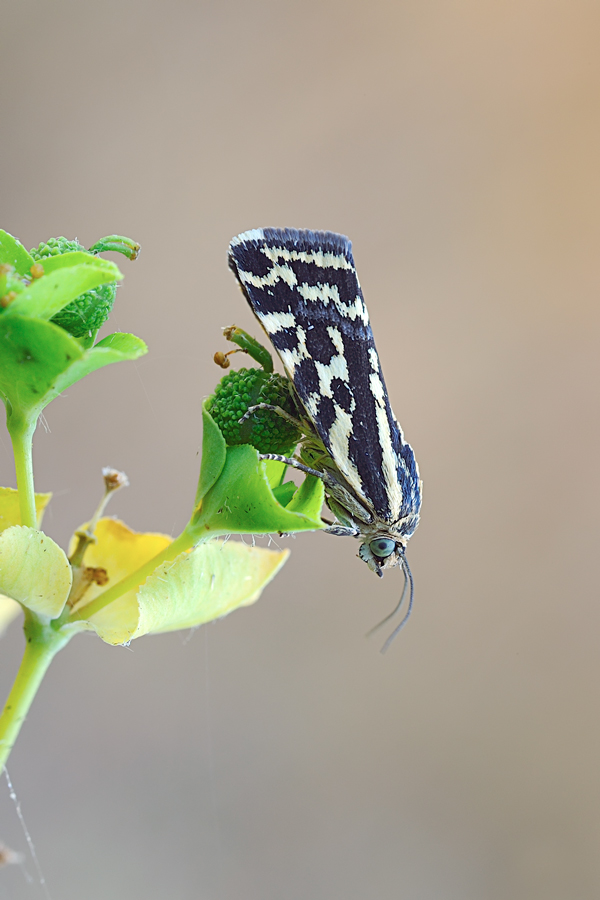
(56, 247)
(265, 430)
(86, 313)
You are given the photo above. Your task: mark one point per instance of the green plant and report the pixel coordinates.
(115, 582)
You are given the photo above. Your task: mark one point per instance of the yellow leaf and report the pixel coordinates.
(10, 513)
(204, 584)
(119, 550)
(212, 580)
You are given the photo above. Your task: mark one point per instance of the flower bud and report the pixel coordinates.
(85, 314)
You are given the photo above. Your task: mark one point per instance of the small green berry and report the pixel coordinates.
(265, 430)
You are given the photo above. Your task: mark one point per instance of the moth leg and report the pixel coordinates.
(295, 464)
(338, 529)
(346, 507)
(276, 409)
(342, 530)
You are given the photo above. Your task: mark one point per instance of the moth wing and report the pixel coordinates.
(303, 288)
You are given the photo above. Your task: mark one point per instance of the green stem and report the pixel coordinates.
(21, 434)
(42, 642)
(185, 540)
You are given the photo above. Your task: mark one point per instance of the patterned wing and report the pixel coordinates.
(303, 288)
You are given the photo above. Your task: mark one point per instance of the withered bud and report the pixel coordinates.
(98, 576)
(113, 479)
(222, 359)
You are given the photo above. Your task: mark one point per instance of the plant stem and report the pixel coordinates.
(184, 542)
(21, 434)
(42, 642)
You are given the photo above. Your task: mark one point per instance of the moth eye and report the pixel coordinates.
(382, 547)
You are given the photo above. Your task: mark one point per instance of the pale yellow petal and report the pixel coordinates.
(34, 570)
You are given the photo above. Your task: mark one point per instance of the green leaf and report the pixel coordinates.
(213, 454)
(74, 258)
(118, 347)
(68, 276)
(128, 345)
(308, 499)
(38, 360)
(33, 354)
(275, 472)
(242, 502)
(14, 253)
(34, 570)
(284, 492)
(240, 494)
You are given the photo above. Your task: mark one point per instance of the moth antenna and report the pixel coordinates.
(395, 609)
(408, 579)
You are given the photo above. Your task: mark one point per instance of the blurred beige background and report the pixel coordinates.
(276, 754)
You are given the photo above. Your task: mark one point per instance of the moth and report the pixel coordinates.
(304, 290)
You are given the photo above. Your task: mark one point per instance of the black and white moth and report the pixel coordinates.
(303, 288)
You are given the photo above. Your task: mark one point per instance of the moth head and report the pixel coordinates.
(381, 553)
